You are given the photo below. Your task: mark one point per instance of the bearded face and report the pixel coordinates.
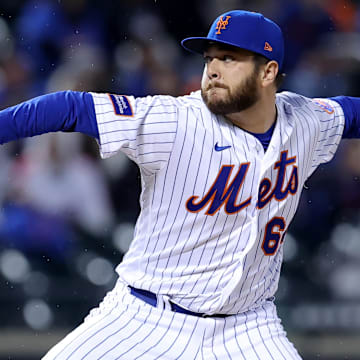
(222, 99)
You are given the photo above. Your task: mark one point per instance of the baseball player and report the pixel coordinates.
(222, 170)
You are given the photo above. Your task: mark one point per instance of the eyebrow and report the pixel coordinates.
(229, 48)
(221, 47)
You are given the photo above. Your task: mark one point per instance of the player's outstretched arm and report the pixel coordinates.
(351, 108)
(68, 111)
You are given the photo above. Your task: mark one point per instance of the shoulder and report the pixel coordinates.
(194, 99)
(293, 107)
(300, 103)
(154, 103)
(293, 100)
(301, 107)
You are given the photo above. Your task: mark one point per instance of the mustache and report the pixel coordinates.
(216, 84)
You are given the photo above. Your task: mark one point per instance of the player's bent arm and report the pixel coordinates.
(351, 108)
(67, 111)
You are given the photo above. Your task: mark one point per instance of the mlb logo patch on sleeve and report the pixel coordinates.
(323, 105)
(121, 105)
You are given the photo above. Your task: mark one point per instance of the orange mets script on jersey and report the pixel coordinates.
(226, 188)
(324, 106)
(222, 24)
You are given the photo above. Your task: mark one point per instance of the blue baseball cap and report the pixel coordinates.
(243, 29)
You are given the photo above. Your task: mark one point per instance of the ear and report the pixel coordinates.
(268, 75)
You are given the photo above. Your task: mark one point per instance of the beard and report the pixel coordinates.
(243, 97)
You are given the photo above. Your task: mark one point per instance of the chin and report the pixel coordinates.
(216, 95)
(215, 100)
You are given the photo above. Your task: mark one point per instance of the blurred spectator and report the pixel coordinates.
(304, 24)
(54, 187)
(46, 29)
(343, 13)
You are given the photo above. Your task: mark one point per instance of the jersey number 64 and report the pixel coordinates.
(274, 235)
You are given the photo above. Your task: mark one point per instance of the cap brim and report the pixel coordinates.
(200, 44)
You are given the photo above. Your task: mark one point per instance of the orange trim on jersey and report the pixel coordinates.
(275, 243)
(226, 187)
(324, 106)
(269, 197)
(292, 179)
(194, 197)
(283, 236)
(237, 193)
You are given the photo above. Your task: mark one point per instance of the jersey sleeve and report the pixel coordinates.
(143, 128)
(330, 119)
(68, 111)
(351, 108)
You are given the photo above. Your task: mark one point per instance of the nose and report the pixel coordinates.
(212, 69)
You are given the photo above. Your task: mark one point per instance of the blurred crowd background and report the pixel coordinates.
(67, 217)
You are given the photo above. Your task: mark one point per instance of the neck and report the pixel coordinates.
(258, 118)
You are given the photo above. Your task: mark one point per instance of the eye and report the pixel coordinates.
(228, 58)
(207, 59)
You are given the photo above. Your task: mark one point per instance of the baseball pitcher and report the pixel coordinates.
(222, 171)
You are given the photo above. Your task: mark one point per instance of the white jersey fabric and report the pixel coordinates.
(127, 328)
(214, 206)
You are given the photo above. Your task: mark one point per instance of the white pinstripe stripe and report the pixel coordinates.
(79, 332)
(111, 338)
(285, 344)
(75, 340)
(157, 248)
(249, 338)
(263, 342)
(196, 220)
(139, 341)
(182, 250)
(144, 332)
(171, 345)
(99, 335)
(190, 337)
(180, 189)
(214, 348)
(237, 340)
(159, 338)
(276, 350)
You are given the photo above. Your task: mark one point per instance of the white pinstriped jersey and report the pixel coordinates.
(213, 218)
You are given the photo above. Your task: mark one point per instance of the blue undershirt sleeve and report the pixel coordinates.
(68, 111)
(351, 108)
